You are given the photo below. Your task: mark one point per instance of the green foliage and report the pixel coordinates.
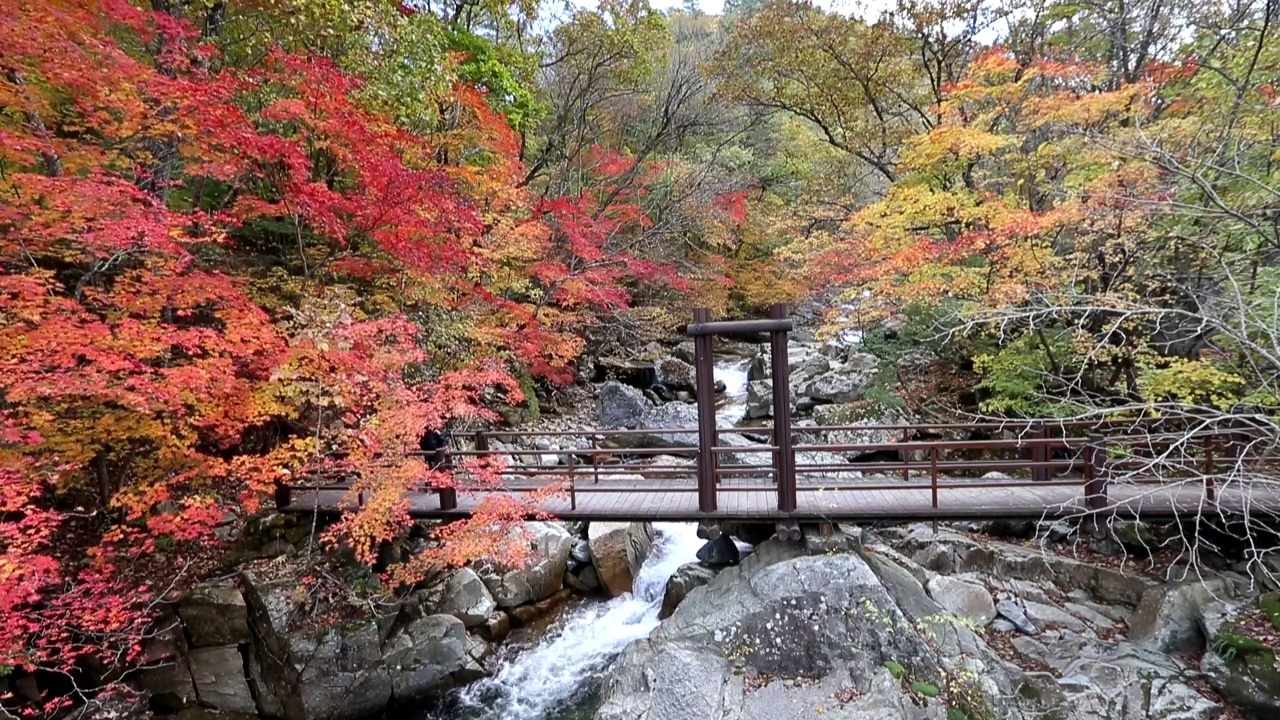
(955, 713)
(501, 73)
(1020, 379)
(895, 669)
(1190, 382)
(928, 690)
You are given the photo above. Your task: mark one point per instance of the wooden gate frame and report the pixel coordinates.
(703, 332)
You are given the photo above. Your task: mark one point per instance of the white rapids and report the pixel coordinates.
(565, 666)
(734, 399)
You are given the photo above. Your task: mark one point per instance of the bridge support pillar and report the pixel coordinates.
(784, 459)
(1095, 485)
(709, 530)
(1039, 451)
(789, 531)
(705, 384)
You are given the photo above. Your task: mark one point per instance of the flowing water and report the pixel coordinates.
(558, 677)
(733, 402)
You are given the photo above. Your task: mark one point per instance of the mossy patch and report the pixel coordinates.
(928, 690)
(1231, 645)
(1269, 604)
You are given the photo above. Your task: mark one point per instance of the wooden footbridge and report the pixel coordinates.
(1148, 468)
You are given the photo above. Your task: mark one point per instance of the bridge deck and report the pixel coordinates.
(651, 500)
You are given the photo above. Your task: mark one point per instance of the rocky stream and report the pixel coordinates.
(632, 621)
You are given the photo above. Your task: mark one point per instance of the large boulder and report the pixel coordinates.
(681, 582)
(336, 672)
(540, 577)
(1100, 680)
(949, 553)
(964, 599)
(719, 551)
(780, 636)
(617, 551)
(676, 374)
(1237, 665)
(304, 668)
(166, 676)
(857, 415)
(621, 406)
(661, 420)
(218, 673)
(844, 383)
(636, 373)
(214, 615)
(760, 399)
(1168, 616)
(425, 655)
(466, 598)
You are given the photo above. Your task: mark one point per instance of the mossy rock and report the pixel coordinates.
(527, 412)
(1136, 535)
(1270, 605)
(1241, 668)
(851, 413)
(1231, 645)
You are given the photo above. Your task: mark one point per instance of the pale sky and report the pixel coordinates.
(869, 9)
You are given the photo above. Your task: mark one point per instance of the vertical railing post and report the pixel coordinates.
(284, 495)
(595, 462)
(1039, 451)
(784, 459)
(1210, 483)
(1238, 442)
(705, 386)
(573, 488)
(933, 473)
(906, 455)
(1095, 488)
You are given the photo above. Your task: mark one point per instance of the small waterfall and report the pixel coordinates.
(557, 678)
(733, 407)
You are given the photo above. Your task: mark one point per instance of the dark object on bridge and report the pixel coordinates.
(435, 450)
(720, 552)
(433, 443)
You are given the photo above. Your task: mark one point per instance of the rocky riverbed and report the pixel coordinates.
(917, 623)
(962, 622)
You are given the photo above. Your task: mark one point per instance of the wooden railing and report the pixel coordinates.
(1044, 453)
